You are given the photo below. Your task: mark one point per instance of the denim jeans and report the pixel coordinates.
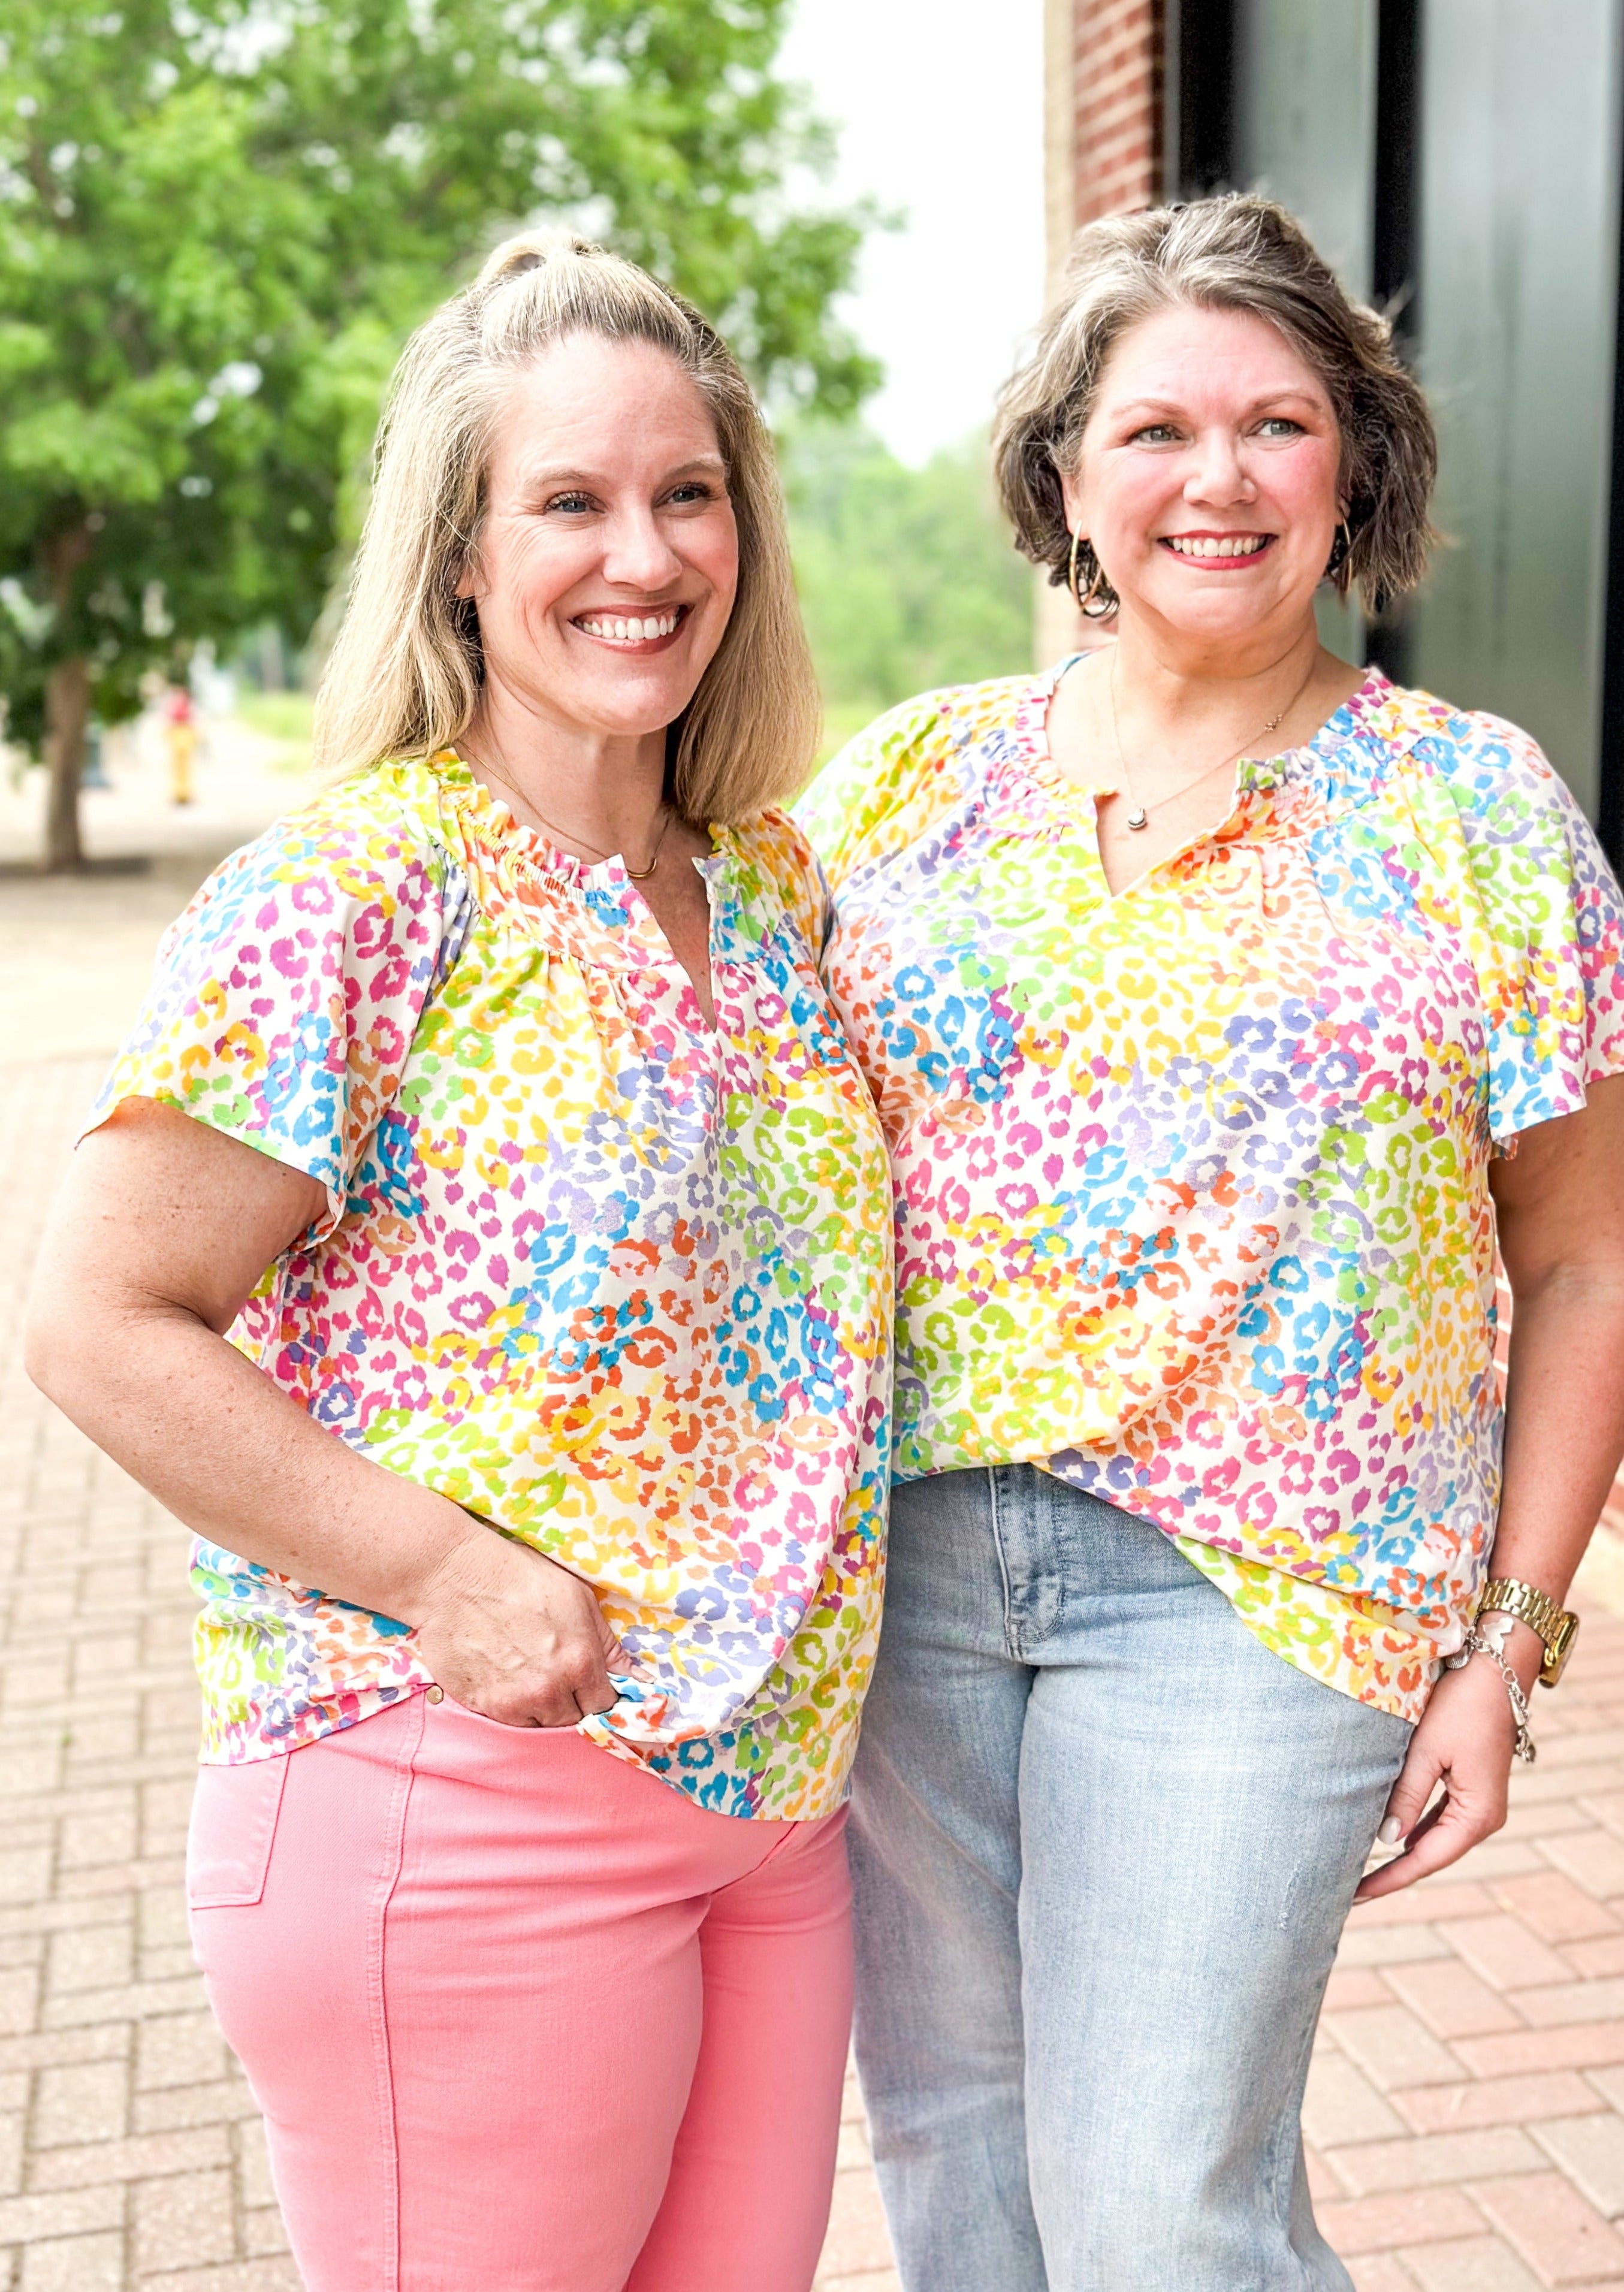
(1103, 1842)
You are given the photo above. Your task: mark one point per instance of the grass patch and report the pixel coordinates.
(281, 716)
(284, 717)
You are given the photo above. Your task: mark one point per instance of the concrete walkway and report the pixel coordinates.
(76, 952)
(1466, 2104)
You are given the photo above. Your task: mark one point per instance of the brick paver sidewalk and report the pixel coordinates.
(131, 2146)
(1466, 2104)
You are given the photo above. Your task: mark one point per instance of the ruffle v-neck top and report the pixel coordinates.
(616, 1282)
(1192, 1201)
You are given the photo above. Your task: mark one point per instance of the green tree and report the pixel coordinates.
(907, 577)
(218, 220)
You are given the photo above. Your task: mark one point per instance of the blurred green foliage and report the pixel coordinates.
(907, 577)
(219, 218)
(283, 718)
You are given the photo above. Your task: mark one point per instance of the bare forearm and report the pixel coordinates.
(1564, 1429)
(241, 1463)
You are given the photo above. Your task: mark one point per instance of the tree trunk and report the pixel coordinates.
(67, 713)
(63, 554)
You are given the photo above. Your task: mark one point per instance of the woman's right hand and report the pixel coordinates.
(514, 1636)
(161, 1230)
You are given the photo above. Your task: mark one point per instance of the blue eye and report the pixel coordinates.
(1283, 424)
(572, 503)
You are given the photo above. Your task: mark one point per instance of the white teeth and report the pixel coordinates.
(636, 630)
(1248, 546)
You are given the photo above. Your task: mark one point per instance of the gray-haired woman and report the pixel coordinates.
(1205, 985)
(483, 1245)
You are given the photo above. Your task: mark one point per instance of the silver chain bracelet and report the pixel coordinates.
(1488, 1637)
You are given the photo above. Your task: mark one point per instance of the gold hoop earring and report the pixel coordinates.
(1097, 605)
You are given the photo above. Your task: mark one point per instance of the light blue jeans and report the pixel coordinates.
(1104, 1842)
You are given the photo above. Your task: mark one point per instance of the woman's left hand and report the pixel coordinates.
(1464, 1741)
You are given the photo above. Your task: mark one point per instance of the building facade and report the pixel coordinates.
(1458, 161)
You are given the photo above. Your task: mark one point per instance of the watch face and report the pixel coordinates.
(1558, 1649)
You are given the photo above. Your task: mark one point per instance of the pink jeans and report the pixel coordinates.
(522, 2019)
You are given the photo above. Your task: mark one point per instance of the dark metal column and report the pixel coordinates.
(1519, 275)
(1610, 772)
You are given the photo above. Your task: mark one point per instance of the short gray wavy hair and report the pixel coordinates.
(1235, 251)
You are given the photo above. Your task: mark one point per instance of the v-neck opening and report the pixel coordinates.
(1253, 775)
(594, 885)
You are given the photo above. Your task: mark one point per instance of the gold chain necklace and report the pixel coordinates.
(1139, 816)
(637, 874)
(561, 835)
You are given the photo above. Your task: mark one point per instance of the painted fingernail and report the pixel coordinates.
(1390, 1831)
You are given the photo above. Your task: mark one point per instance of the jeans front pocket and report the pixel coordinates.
(234, 1815)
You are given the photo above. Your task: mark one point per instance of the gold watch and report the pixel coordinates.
(1557, 1626)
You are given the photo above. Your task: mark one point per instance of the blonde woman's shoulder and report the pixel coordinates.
(395, 790)
(356, 840)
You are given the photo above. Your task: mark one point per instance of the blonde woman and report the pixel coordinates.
(1222, 1002)
(482, 1244)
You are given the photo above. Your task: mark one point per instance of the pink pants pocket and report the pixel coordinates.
(234, 1815)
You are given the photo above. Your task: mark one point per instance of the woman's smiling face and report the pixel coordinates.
(1208, 477)
(608, 561)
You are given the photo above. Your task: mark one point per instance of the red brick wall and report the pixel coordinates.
(1117, 134)
(1102, 118)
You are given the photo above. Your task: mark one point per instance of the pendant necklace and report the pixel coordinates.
(1140, 815)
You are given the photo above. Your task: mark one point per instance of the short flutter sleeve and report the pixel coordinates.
(285, 999)
(1546, 923)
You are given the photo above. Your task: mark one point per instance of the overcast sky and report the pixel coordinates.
(939, 109)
